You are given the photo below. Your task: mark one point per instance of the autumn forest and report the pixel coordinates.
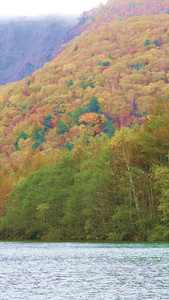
(84, 141)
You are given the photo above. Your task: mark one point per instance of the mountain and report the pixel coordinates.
(115, 74)
(27, 44)
(121, 65)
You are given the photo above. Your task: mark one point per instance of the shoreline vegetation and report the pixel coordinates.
(111, 189)
(39, 241)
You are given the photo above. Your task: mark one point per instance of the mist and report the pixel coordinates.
(66, 19)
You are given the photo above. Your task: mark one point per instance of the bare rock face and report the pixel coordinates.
(27, 44)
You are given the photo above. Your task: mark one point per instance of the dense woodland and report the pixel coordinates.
(84, 141)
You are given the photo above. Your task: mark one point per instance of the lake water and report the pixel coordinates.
(82, 271)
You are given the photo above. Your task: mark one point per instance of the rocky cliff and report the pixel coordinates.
(27, 44)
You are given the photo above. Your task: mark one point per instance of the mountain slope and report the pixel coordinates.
(108, 77)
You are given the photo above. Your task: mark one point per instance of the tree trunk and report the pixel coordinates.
(131, 181)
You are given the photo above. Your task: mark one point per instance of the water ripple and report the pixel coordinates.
(82, 271)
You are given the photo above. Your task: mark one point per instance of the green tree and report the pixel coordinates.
(161, 230)
(62, 128)
(109, 128)
(22, 135)
(46, 123)
(93, 106)
(79, 111)
(70, 83)
(147, 43)
(37, 205)
(92, 201)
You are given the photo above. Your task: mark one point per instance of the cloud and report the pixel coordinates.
(44, 7)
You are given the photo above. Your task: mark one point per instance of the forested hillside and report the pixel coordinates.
(84, 140)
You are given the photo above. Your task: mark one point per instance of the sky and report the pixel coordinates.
(11, 8)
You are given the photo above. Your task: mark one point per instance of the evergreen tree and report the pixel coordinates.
(93, 106)
(62, 128)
